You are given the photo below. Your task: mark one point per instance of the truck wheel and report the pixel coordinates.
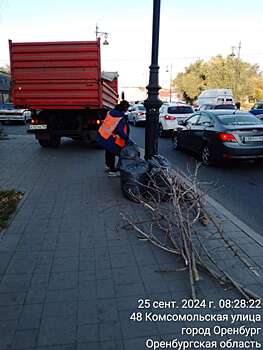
(54, 142)
(44, 143)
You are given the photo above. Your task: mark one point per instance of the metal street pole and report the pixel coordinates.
(171, 77)
(238, 71)
(236, 68)
(153, 103)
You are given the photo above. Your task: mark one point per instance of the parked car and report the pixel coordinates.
(137, 114)
(210, 106)
(221, 135)
(170, 114)
(9, 113)
(257, 109)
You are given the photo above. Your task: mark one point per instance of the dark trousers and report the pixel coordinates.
(110, 160)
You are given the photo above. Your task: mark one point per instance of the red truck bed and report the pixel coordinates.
(59, 75)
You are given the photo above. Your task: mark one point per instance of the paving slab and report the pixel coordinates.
(72, 274)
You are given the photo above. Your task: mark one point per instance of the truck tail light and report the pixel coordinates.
(98, 122)
(169, 117)
(225, 137)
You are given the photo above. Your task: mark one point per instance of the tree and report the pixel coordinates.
(193, 81)
(244, 79)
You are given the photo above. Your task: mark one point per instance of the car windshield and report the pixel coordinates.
(235, 119)
(226, 106)
(141, 108)
(180, 110)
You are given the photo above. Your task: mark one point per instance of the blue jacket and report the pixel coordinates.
(110, 144)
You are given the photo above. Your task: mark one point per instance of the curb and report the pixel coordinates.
(240, 224)
(231, 217)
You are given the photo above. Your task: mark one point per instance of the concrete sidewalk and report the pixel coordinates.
(71, 275)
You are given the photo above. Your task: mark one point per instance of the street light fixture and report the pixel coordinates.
(234, 48)
(153, 103)
(99, 34)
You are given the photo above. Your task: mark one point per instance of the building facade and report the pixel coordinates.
(4, 87)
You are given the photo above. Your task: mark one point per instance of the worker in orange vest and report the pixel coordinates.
(113, 135)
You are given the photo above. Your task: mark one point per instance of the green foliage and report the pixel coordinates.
(244, 79)
(193, 81)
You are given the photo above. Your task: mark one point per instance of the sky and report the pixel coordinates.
(189, 30)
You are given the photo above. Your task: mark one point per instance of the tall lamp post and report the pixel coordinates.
(153, 103)
(171, 77)
(236, 81)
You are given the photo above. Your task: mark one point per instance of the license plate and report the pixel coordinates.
(253, 138)
(38, 127)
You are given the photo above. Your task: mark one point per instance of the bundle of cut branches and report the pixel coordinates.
(181, 225)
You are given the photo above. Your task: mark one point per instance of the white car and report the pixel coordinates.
(9, 113)
(137, 114)
(170, 114)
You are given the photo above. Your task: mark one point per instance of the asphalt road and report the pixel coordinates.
(238, 187)
(15, 129)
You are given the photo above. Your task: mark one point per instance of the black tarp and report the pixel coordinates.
(141, 179)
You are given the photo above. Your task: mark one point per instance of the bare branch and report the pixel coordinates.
(176, 213)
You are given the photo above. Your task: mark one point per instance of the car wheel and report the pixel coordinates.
(206, 155)
(176, 143)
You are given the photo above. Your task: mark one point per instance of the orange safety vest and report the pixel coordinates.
(107, 128)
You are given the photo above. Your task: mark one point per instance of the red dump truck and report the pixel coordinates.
(61, 83)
